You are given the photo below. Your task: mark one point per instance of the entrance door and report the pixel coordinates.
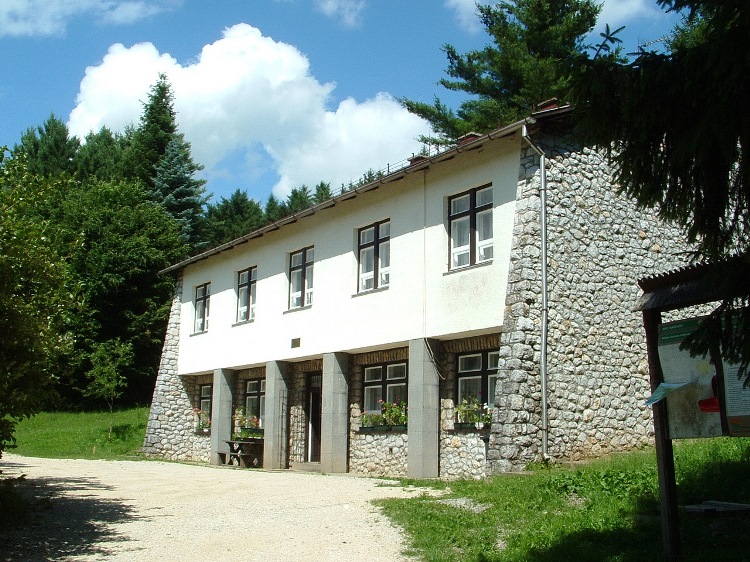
(314, 414)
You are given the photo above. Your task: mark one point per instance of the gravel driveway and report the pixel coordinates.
(123, 510)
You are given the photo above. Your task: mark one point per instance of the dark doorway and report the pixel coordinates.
(314, 404)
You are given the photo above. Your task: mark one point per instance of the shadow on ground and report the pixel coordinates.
(54, 518)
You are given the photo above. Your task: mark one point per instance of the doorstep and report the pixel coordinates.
(306, 467)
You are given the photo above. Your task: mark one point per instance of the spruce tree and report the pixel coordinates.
(157, 127)
(178, 191)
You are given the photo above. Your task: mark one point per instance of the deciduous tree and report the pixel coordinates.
(34, 297)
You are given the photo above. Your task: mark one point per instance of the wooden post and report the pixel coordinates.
(670, 523)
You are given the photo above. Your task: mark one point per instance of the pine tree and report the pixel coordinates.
(231, 218)
(157, 127)
(299, 199)
(177, 190)
(100, 156)
(274, 210)
(49, 149)
(534, 41)
(322, 192)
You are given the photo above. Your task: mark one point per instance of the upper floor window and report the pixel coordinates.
(202, 298)
(301, 278)
(477, 377)
(384, 383)
(255, 400)
(470, 225)
(374, 256)
(246, 280)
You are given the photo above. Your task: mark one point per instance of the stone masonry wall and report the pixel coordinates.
(599, 245)
(170, 433)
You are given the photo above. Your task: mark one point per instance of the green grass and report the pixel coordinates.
(606, 510)
(83, 435)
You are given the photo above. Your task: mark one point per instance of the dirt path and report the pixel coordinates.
(121, 510)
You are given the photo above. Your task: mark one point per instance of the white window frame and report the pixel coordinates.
(474, 207)
(379, 246)
(301, 273)
(246, 291)
(201, 305)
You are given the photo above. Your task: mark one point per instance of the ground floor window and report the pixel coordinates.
(384, 383)
(477, 377)
(255, 400)
(203, 408)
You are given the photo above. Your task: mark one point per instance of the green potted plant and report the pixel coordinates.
(472, 414)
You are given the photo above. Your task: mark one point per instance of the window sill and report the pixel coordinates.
(468, 267)
(306, 307)
(199, 333)
(243, 322)
(370, 291)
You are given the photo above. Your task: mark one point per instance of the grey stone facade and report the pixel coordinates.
(171, 431)
(599, 245)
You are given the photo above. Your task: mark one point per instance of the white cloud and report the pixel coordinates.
(466, 14)
(245, 93)
(621, 12)
(50, 17)
(349, 11)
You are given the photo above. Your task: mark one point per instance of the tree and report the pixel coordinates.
(299, 199)
(177, 190)
(101, 155)
(49, 149)
(106, 381)
(274, 210)
(671, 127)
(157, 127)
(117, 241)
(34, 297)
(534, 42)
(322, 192)
(230, 218)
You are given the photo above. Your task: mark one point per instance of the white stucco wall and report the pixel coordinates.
(424, 299)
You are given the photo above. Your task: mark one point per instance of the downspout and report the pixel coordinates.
(545, 307)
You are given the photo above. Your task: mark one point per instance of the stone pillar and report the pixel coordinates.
(221, 413)
(275, 437)
(424, 411)
(334, 441)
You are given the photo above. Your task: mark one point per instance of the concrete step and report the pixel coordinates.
(306, 466)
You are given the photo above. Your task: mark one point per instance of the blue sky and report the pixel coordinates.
(271, 94)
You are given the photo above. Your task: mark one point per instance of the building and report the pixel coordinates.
(425, 287)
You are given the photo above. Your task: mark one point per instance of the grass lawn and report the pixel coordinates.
(83, 435)
(603, 511)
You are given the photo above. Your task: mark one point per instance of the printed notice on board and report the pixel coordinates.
(689, 381)
(737, 402)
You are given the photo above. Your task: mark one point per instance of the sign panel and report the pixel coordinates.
(737, 400)
(692, 383)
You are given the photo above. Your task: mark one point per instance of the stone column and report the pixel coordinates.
(275, 437)
(424, 411)
(221, 413)
(334, 440)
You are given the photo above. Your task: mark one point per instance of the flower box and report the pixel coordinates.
(471, 426)
(382, 428)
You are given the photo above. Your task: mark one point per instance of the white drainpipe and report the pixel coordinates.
(545, 308)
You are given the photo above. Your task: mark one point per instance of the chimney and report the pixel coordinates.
(467, 138)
